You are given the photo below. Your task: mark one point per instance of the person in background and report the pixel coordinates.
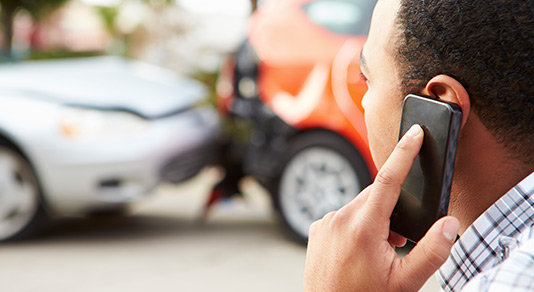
(479, 55)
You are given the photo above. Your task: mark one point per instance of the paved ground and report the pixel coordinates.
(163, 247)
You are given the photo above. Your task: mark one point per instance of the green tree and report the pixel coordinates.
(36, 8)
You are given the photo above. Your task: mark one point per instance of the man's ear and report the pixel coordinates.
(449, 89)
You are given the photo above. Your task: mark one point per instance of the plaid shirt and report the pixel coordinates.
(499, 235)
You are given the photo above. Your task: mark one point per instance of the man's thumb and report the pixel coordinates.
(430, 252)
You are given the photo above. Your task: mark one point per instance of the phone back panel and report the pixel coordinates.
(425, 193)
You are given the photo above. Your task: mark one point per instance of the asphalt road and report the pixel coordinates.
(163, 246)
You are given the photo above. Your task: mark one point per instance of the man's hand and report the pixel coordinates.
(353, 249)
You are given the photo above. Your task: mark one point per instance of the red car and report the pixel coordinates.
(296, 80)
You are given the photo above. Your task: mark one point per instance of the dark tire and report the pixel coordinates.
(320, 172)
(22, 211)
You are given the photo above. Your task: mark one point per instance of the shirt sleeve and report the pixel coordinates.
(516, 273)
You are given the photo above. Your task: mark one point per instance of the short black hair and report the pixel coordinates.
(488, 47)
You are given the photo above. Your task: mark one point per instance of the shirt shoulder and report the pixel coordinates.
(516, 273)
(490, 240)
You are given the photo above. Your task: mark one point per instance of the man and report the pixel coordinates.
(477, 54)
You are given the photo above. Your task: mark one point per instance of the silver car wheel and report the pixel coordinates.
(19, 193)
(316, 180)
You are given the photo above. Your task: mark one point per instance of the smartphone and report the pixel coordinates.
(424, 197)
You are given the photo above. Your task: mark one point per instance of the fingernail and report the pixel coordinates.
(414, 131)
(450, 228)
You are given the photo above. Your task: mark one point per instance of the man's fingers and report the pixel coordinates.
(387, 185)
(430, 253)
(358, 201)
(396, 240)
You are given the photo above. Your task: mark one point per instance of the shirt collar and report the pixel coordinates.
(487, 241)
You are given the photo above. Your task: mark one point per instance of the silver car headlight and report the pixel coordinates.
(82, 123)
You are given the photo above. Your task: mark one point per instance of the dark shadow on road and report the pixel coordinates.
(144, 227)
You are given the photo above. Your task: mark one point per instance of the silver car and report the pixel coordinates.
(86, 135)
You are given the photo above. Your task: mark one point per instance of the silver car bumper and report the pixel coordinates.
(82, 177)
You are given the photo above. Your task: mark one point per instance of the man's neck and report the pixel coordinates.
(484, 172)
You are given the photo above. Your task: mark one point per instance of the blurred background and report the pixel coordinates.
(183, 35)
(175, 145)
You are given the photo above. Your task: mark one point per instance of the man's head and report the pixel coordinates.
(485, 46)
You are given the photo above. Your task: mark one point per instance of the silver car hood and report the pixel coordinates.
(107, 83)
